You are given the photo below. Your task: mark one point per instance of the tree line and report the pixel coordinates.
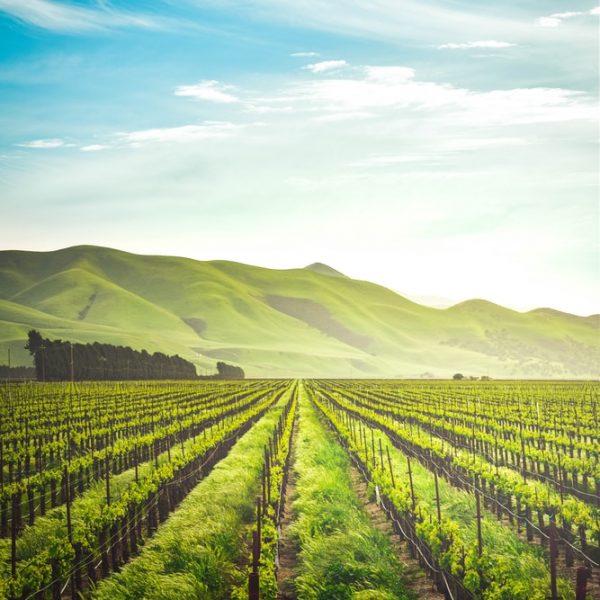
(225, 371)
(58, 360)
(16, 373)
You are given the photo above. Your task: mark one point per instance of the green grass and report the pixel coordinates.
(144, 302)
(196, 552)
(341, 555)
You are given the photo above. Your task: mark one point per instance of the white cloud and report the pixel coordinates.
(43, 144)
(210, 91)
(373, 91)
(389, 74)
(548, 22)
(304, 54)
(209, 130)
(566, 15)
(56, 16)
(397, 90)
(424, 21)
(93, 147)
(326, 65)
(556, 19)
(343, 116)
(467, 144)
(440, 151)
(390, 159)
(264, 109)
(478, 44)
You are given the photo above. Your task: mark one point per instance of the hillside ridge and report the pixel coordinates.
(323, 269)
(308, 322)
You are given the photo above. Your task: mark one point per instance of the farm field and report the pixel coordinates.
(317, 489)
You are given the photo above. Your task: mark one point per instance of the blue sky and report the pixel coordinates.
(446, 149)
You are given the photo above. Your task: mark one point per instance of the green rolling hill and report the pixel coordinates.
(311, 322)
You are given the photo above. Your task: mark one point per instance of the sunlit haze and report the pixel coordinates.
(447, 150)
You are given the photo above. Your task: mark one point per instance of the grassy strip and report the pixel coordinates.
(342, 555)
(196, 552)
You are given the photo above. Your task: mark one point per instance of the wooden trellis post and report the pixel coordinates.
(253, 577)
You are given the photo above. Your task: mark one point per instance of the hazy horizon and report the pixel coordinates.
(440, 151)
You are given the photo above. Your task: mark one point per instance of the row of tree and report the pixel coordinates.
(16, 373)
(226, 371)
(57, 360)
(459, 376)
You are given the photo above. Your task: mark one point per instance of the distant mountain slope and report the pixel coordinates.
(297, 322)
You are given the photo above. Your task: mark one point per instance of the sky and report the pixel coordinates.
(447, 149)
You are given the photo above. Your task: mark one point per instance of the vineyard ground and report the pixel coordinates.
(416, 579)
(288, 548)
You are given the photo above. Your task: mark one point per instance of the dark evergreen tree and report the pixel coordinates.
(52, 359)
(17, 373)
(226, 371)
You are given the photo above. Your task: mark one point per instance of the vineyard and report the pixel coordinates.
(319, 489)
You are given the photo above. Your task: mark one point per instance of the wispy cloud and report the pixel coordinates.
(209, 130)
(389, 73)
(442, 150)
(44, 144)
(326, 65)
(391, 159)
(304, 54)
(548, 21)
(372, 91)
(210, 91)
(424, 21)
(556, 19)
(386, 95)
(470, 144)
(70, 18)
(478, 44)
(396, 89)
(265, 109)
(93, 147)
(343, 116)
